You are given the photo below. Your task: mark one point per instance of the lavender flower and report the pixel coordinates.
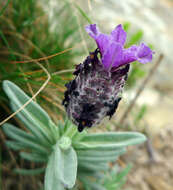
(96, 90)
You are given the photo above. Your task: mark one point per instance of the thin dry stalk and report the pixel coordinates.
(63, 71)
(34, 96)
(28, 85)
(29, 42)
(48, 57)
(52, 102)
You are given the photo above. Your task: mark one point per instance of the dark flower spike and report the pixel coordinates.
(96, 90)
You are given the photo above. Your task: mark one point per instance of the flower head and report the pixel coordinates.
(96, 89)
(112, 48)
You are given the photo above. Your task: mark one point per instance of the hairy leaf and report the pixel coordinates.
(62, 168)
(29, 171)
(93, 166)
(51, 181)
(107, 141)
(32, 111)
(24, 138)
(34, 157)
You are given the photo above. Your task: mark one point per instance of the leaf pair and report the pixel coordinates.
(61, 170)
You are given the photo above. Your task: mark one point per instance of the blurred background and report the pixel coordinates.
(51, 33)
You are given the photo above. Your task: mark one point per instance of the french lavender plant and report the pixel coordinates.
(96, 90)
(65, 154)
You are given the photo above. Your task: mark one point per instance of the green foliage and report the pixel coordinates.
(29, 171)
(4, 7)
(34, 117)
(112, 179)
(61, 147)
(109, 140)
(24, 138)
(26, 33)
(83, 14)
(115, 179)
(126, 26)
(135, 38)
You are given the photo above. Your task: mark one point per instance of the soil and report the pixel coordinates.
(152, 163)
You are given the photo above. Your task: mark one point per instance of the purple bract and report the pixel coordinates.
(112, 48)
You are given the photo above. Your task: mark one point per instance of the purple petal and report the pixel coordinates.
(113, 55)
(119, 35)
(144, 54)
(92, 30)
(129, 55)
(103, 42)
(141, 53)
(111, 48)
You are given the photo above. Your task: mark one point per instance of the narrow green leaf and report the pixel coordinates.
(16, 94)
(93, 166)
(78, 136)
(100, 156)
(66, 168)
(61, 128)
(71, 130)
(90, 185)
(95, 174)
(54, 129)
(33, 157)
(67, 123)
(97, 160)
(52, 181)
(103, 158)
(102, 141)
(24, 138)
(29, 171)
(30, 124)
(11, 129)
(32, 110)
(97, 153)
(15, 145)
(61, 169)
(115, 179)
(83, 13)
(38, 128)
(122, 174)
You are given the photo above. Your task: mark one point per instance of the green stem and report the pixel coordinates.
(71, 131)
